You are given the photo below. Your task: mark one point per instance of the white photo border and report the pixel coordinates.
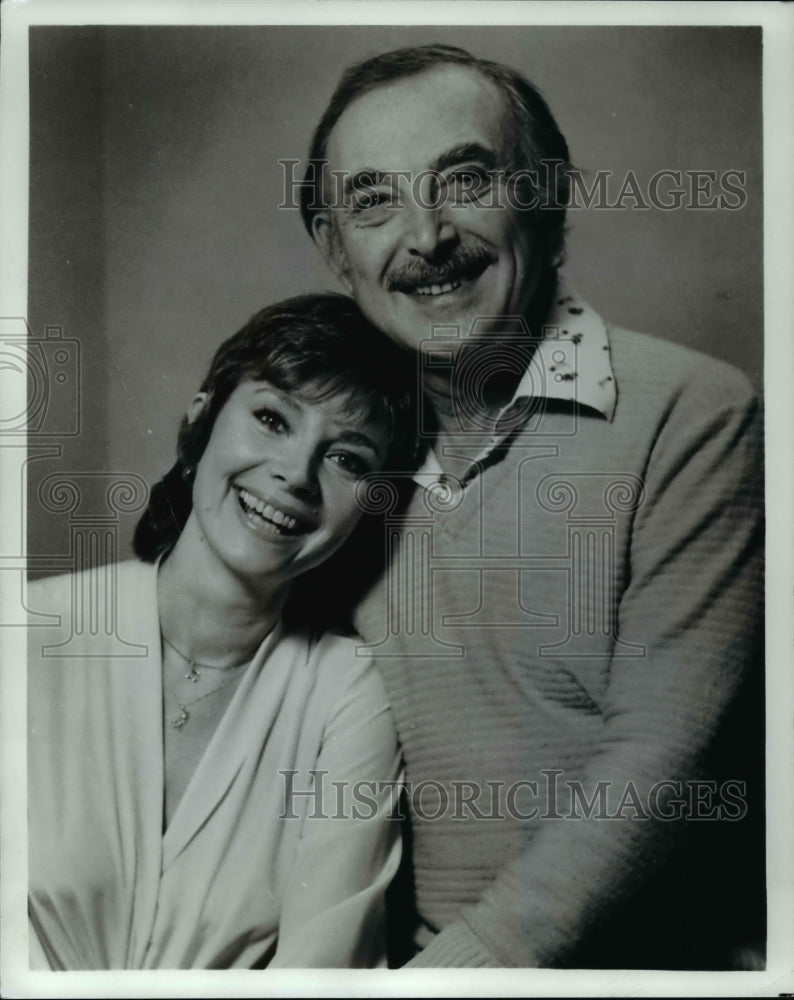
(777, 22)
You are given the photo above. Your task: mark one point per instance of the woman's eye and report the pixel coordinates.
(270, 419)
(350, 463)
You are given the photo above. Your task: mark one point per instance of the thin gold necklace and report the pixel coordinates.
(193, 674)
(183, 717)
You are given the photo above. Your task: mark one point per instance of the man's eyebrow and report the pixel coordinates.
(466, 153)
(367, 178)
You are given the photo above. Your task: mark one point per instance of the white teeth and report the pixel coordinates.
(266, 511)
(448, 286)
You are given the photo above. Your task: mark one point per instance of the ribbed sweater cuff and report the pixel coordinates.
(457, 946)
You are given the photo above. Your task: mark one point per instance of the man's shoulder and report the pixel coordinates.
(650, 367)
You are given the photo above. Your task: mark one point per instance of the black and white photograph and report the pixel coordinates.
(396, 553)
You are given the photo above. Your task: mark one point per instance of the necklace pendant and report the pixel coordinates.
(181, 719)
(192, 674)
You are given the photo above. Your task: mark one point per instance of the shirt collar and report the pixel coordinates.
(572, 362)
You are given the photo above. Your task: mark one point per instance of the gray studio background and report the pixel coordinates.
(154, 185)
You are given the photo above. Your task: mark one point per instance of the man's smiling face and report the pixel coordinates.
(440, 138)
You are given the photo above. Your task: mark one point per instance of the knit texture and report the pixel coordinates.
(585, 614)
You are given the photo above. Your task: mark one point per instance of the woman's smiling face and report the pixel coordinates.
(275, 489)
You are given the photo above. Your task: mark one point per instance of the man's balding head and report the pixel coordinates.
(437, 189)
(536, 144)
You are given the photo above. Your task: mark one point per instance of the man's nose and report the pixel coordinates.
(429, 230)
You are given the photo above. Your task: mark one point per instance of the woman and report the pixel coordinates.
(223, 800)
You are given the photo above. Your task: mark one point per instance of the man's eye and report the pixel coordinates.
(350, 463)
(271, 420)
(368, 199)
(468, 182)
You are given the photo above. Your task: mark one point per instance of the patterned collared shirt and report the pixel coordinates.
(571, 362)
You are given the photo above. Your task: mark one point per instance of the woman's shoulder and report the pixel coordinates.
(355, 704)
(330, 651)
(52, 592)
(342, 665)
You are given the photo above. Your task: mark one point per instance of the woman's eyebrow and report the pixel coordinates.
(348, 435)
(284, 398)
(358, 437)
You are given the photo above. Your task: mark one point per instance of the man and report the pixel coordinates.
(571, 607)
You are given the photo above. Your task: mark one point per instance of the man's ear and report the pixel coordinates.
(327, 239)
(197, 404)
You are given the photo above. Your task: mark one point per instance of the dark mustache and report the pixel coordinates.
(465, 261)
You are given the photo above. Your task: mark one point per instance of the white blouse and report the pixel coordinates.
(244, 876)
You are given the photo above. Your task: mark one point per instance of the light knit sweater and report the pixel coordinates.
(599, 590)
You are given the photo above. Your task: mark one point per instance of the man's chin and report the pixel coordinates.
(447, 310)
(409, 319)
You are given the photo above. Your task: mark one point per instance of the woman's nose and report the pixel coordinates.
(296, 467)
